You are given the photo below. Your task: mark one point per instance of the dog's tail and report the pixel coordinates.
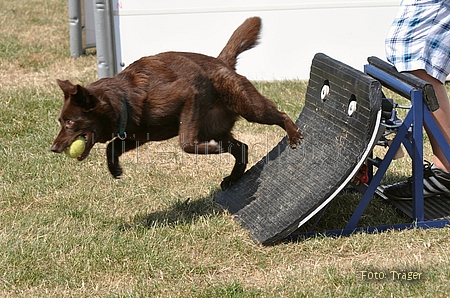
(244, 38)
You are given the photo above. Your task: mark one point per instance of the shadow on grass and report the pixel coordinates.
(336, 215)
(181, 212)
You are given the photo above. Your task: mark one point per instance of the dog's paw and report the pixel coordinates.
(227, 182)
(115, 170)
(295, 139)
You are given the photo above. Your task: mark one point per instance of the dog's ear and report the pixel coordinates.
(84, 98)
(67, 87)
(78, 94)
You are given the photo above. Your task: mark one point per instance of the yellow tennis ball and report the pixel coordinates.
(76, 148)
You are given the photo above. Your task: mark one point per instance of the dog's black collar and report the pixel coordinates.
(123, 120)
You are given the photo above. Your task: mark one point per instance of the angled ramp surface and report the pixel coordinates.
(288, 186)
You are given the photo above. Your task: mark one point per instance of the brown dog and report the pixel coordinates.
(158, 97)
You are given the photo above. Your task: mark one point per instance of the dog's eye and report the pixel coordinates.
(69, 123)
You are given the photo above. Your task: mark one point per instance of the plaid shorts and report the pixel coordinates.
(419, 37)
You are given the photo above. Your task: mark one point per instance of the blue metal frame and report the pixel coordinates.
(410, 134)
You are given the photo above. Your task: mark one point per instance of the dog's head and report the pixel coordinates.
(77, 118)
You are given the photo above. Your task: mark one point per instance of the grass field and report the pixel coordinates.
(68, 229)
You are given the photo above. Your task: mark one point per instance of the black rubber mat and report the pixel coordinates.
(434, 208)
(288, 186)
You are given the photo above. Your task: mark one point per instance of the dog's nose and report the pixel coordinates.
(54, 148)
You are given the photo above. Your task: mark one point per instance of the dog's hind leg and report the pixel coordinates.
(219, 145)
(242, 98)
(115, 149)
(239, 151)
(190, 144)
(206, 129)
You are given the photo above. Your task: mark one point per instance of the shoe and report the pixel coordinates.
(435, 182)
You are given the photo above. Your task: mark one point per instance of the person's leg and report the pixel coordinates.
(441, 116)
(436, 178)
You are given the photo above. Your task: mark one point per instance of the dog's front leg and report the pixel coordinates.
(115, 149)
